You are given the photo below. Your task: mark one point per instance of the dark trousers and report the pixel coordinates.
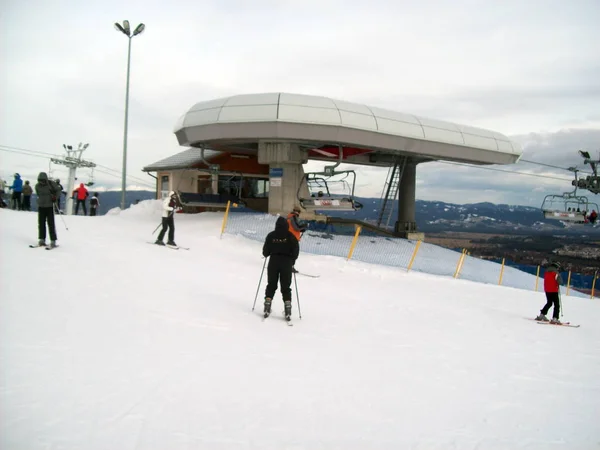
(93, 210)
(552, 298)
(46, 214)
(82, 202)
(27, 203)
(167, 222)
(279, 270)
(16, 200)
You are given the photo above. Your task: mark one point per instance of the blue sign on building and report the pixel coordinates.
(276, 172)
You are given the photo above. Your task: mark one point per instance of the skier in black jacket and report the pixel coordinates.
(47, 192)
(282, 248)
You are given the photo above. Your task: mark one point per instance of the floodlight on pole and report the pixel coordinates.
(126, 30)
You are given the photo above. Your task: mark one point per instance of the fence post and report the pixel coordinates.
(501, 272)
(412, 259)
(594, 284)
(354, 241)
(568, 282)
(459, 264)
(537, 278)
(225, 218)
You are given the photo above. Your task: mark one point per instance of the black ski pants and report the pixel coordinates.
(279, 270)
(552, 298)
(46, 214)
(27, 203)
(93, 211)
(167, 223)
(16, 201)
(82, 202)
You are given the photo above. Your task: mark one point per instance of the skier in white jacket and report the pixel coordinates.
(170, 204)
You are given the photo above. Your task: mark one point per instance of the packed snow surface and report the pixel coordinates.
(108, 342)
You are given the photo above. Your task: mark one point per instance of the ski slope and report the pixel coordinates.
(110, 343)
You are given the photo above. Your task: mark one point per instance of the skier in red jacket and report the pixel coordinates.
(81, 193)
(552, 282)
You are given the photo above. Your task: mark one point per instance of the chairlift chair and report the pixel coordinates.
(320, 186)
(91, 182)
(567, 207)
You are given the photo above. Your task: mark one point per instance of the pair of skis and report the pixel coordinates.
(287, 321)
(562, 324)
(169, 246)
(47, 247)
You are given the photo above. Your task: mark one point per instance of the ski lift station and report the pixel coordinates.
(251, 149)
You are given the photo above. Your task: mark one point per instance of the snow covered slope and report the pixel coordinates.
(110, 343)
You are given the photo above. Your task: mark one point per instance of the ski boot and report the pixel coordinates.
(288, 310)
(541, 318)
(42, 243)
(555, 321)
(159, 242)
(52, 244)
(172, 243)
(267, 309)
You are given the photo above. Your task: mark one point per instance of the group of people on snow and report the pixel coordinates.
(81, 194)
(20, 198)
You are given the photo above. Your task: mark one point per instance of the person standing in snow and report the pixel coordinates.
(17, 188)
(282, 247)
(168, 222)
(552, 282)
(94, 203)
(81, 193)
(46, 191)
(27, 191)
(60, 186)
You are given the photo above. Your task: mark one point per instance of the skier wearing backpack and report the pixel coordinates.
(282, 247)
(94, 203)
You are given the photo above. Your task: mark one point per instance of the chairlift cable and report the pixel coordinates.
(504, 170)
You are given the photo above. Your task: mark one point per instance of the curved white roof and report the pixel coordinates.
(336, 121)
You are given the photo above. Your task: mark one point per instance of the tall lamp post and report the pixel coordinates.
(126, 30)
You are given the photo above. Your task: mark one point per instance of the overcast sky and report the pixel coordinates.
(530, 70)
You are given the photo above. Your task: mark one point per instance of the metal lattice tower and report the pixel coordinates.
(390, 191)
(73, 161)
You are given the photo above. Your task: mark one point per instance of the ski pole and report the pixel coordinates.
(259, 281)
(297, 296)
(560, 305)
(60, 215)
(159, 225)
